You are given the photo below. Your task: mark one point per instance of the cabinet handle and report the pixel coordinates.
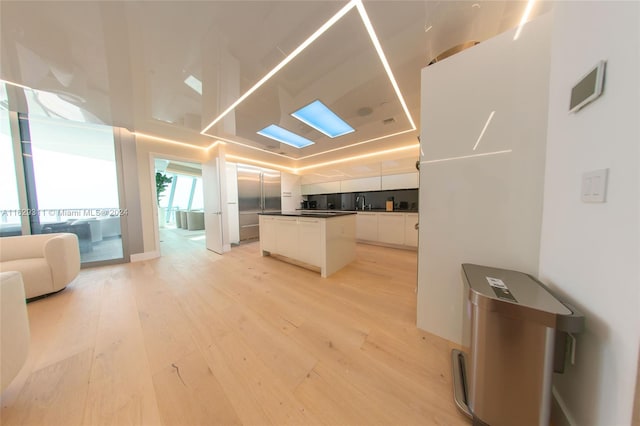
(417, 226)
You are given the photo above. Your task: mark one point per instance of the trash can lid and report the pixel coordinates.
(516, 294)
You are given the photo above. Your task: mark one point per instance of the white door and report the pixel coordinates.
(212, 205)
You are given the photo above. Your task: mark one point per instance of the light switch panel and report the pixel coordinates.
(594, 186)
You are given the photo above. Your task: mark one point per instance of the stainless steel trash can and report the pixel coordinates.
(514, 338)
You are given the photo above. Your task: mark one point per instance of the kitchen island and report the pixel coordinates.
(324, 240)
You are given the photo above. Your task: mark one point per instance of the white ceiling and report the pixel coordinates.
(126, 62)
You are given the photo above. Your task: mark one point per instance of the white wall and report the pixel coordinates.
(483, 209)
(589, 252)
(291, 192)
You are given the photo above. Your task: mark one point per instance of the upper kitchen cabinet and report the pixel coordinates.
(398, 166)
(360, 185)
(321, 188)
(400, 181)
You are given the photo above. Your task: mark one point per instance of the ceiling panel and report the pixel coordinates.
(126, 62)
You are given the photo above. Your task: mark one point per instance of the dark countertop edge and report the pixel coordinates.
(361, 211)
(316, 215)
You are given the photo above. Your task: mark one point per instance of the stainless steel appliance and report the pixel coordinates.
(514, 335)
(258, 192)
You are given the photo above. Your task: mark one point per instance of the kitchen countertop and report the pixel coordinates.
(320, 214)
(359, 211)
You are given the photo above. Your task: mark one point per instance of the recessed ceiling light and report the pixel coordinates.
(194, 83)
(279, 134)
(321, 118)
(357, 4)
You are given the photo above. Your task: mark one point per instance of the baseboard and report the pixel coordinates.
(396, 246)
(559, 413)
(140, 257)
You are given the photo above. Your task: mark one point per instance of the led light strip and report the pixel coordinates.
(264, 163)
(523, 20)
(484, 129)
(385, 63)
(15, 84)
(255, 148)
(376, 43)
(358, 157)
(293, 170)
(144, 135)
(286, 60)
(441, 160)
(355, 144)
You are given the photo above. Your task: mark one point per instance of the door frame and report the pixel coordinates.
(153, 156)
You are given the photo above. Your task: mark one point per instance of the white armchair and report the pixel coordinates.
(14, 327)
(47, 262)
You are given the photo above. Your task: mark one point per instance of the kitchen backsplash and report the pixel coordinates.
(403, 199)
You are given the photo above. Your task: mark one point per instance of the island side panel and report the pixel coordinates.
(267, 235)
(340, 243)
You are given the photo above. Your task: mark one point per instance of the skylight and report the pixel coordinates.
(321, 118)
(283, 135)
(194, 83)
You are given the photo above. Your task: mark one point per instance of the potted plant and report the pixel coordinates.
(162, 181)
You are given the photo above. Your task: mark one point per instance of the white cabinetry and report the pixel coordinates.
(391, 228)
(327, 242)
(268, 234)
(286, 236)
(400, 181)
(375, 183)
(367, 226)
(360, 185)
(410, 231)
(321, 188)
(309, 241)
(397, 229)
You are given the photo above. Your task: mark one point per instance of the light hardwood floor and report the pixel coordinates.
(194, 338)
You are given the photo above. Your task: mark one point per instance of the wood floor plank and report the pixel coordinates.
(165, 328)
(331, 397)
(54, 395)
(195, 338)
(76, 328)
(120, 389)
(189, 394)
(290, 362)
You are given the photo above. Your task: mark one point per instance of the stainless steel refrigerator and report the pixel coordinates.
(258, 192)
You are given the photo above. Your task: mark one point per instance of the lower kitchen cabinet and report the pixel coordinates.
(268, 235)
(327, 241)
(310, 241)
(410, 231)
(367, 226)
(391, 228)
(286, 236)
(397, 229)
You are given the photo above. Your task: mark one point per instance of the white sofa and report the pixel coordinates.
(47, 262)
(14, 327)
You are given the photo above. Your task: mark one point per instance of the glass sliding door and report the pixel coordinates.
(72, 186)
